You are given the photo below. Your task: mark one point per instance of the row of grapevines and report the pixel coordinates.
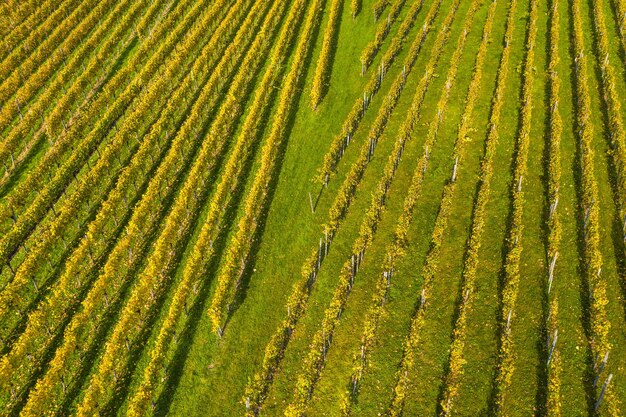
(88, 83)
(297, 302)
(506, 355)
(238, 249)
(322, 339)
(459, 336)
(15, 294)
(33, 339)
(84, 191)
(355, 7)
(351, 124)
(257, 388)
(231, 177)
(397, 248)
(320, 344)
(379, 7)
(168, 119)
(202, 252)
(28, 118)
(147, 215)
(324, 63)
(600, 325)
(613, 103)
(27, 35)
(148, 99)
(152, 282)
(13, 76)
(553, 401)
(382, 30)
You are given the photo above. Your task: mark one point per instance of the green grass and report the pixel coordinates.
(207, 375)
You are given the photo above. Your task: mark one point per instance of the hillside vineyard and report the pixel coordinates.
(312, 208)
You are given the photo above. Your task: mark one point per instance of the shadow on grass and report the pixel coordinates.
(58, 338)
(164, 402)
(542, 346)
(92, 212)
(53, 274)
(123, 384)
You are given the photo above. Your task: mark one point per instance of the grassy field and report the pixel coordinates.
(313, 207)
